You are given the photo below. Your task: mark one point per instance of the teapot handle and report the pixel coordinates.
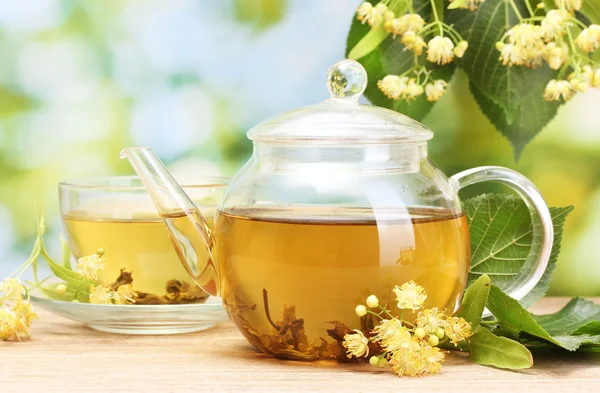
(542, 229)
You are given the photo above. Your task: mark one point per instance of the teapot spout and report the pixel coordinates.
(189, 231)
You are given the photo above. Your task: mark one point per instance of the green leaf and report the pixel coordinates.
(501, 239)
(491, 350)
(368, 43)
(474, 300)
(259, 13)
(591, 10)
(391, 58)
(511, 97)
(514, 317)
(579, 316)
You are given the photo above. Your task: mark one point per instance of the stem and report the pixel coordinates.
(436, 17)
(516, 10)
(581, 24)
(374, 313)
(529, 9)
(267, 313)
(453, 32)
(387, 312)
(491, 322)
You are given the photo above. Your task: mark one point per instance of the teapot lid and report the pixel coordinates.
(341, 119)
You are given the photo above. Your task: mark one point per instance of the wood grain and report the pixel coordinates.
(63, 356)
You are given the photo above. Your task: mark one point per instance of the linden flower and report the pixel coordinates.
(590, 76)
(12, 289)
(89, 267)
(509, 54)
(413, 89)
(440, 50)
(589, 39)
(461, 48)
(431, 320)
(555, 89)
(410, 296)
(101, 294)
(393, 26)
(385, 331)
(569, 5)
(555, 55)
(393, 86)
(457, 329)
(432, 359)
(15, 321)
(524, 34)
(366, 13)
(578, 85)
(553, 24)
(356, 344)
(413, 42)
(435, 90)
(406, 362)
(402, 339)
(411, 22)
(124, 295)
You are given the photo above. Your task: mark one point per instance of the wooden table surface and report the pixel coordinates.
(64, 356)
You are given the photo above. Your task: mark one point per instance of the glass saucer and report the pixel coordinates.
(142, 319)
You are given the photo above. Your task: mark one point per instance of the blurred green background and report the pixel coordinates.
(79, 80)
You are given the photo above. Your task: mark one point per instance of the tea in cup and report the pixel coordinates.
(116, 215)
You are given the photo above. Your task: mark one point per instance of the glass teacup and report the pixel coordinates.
(116, 215)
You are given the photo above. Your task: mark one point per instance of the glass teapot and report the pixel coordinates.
(338, 201)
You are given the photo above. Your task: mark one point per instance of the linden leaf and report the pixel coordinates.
(555, 328)
(491, 350)
(474, 300)
(501, 239)
(511, 97)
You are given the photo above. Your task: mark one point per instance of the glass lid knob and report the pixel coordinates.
(347, 79)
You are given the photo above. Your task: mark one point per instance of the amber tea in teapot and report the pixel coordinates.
(305, 257)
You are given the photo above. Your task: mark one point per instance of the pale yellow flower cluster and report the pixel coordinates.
(101, 294)
(413, 29)
(410, 348)
(528, 44)
(89, 267)
(16, 314)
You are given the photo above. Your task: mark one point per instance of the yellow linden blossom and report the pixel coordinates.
(589, 39)
(393, 26)
(431, 320)
(413, 42)
(553, 24)
(402, 339)
(435, 90)
(457, 329)
(356, 344)
(413, 89)
(410, 296)
(569, 5)
(12, 289)
(393, 86)
(432, 359)
(440, 50)
(385, 331)
(15, 321)
(89, 267)
(101, 294)
(366, 13)
(461, 48)
(124, 295)
(578, 85)
(557, 89)
(591, 76)
(406, 362)
(509, 54)
(411, 22)
(555, 55)
(525, 46)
